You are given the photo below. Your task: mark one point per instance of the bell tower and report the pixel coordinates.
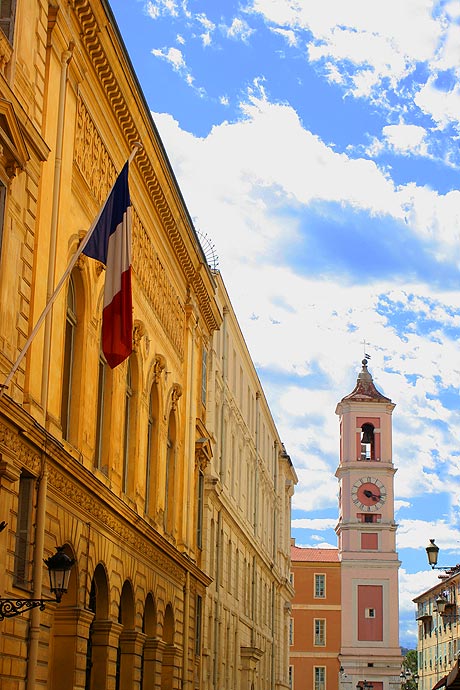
(366, 534)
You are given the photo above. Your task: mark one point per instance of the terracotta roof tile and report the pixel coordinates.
(304, 554)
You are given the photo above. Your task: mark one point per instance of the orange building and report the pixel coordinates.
(315, 626)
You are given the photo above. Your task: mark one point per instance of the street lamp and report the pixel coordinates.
(59, 566)
(408, 679)
(432, 551)
(441, 605)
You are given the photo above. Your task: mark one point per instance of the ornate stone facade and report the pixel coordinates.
(103, 462)
(249, 484)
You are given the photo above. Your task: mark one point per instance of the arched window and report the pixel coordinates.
(2, 212)
(102, 413)
(170, 475)
(69, 348)
(126, 430)
(152, 449)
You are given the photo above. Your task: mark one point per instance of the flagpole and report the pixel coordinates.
(58, 288)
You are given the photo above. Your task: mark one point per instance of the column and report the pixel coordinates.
(131, 645)
(153, 656)
(105, 636)
(70, 630)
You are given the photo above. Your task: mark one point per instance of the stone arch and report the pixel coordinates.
(99, 599)
(149, 618)
(99, 632)
(151, 651)
(170, 664)
(128, 652)
(168, 625)
(126, 615)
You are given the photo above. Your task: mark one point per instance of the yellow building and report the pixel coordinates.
(438, 643)
(248, 487)
(106, 463)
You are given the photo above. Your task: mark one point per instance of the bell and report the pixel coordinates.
(368, 434)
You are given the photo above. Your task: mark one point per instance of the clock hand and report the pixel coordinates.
(369, 494)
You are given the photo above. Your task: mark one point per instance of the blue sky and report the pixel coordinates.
(317, 146)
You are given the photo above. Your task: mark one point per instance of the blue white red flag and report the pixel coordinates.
(110, 243)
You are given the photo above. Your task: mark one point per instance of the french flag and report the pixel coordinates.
(110, 243)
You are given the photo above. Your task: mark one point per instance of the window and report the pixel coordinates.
(320, 586)
(69, 345)
(24, 525)
(199, 525)
(2, 212)
(320, 632)
(198, 617)
(102, 412)
(291, 677)
(204, 376)
(170, 475)
(320, 678)
(128, 397)
(152, 449)
(291, 631)
(369, 613)
(7, 12)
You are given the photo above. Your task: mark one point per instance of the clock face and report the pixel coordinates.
(368, 494)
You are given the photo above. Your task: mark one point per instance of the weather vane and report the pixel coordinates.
(364, 343)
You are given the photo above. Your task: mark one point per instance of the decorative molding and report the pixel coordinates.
(203, 453)
(91, 38)
(6, 51)
(159, 365)
(91, 156)
(13, 150)
(88, 504)
(158, 288)
(23, 455)
(98, 171)
(176, 393)
(138, 333)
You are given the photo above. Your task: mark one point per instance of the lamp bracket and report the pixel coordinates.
(13, 607)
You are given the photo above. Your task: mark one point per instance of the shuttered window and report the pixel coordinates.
(23, 532)
(7, 12)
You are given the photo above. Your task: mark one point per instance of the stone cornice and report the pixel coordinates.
(92, 38)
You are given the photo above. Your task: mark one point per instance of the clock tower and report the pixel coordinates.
(367, 540)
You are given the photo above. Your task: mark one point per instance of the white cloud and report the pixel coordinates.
(247, 187)
(442, 106)
(317, 524)
(172, 55)
(406, 139)
(289, 35)
(412, 585)
(367, 46)
(157, 8)
(239, 29)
